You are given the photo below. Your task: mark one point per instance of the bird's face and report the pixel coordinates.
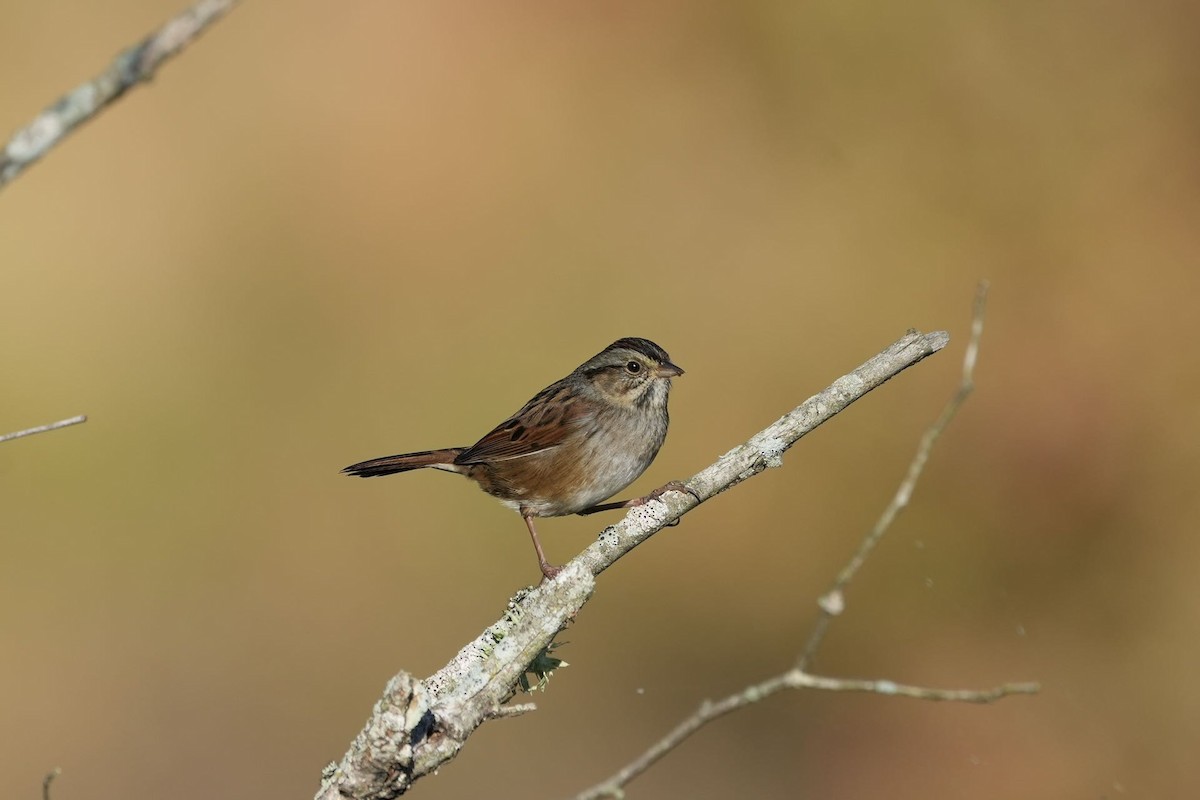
(631, 373)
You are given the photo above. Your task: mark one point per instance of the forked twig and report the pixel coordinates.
(831, 604)
(794, 678)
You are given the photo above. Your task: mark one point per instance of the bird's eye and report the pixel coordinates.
(633, 368)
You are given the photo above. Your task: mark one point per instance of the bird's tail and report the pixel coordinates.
(438, 459)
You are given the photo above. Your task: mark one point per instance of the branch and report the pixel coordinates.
(419, 725)
(794, 678)
(135, 65)
(832, 604)
(53, 426)
(49, 779)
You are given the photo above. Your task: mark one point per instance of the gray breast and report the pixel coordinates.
(615, 452)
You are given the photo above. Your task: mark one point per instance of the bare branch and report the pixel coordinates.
(802, 680)
(133, 66)
(49, 779)
(421, 724)
(53, 426)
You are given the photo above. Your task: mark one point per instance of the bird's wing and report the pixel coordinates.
(545, 422)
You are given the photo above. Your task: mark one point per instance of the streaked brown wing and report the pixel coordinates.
(543, 423)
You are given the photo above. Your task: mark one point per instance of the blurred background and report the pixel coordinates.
(334, 231)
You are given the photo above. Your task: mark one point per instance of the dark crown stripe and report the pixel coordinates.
(643, 346)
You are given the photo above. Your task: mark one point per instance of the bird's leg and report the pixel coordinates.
(548, 569)
(671, 486)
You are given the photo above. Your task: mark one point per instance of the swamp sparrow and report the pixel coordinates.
(578, 442)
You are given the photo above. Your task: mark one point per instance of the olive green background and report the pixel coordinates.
(332, 231)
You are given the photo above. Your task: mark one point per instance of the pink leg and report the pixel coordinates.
(548, 569)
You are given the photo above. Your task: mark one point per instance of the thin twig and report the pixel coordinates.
(833, 602)
(803, 680)
(53, 426)
(517, 710)
(49, 779)
(419, 725)
(133, 66)
(706, 713)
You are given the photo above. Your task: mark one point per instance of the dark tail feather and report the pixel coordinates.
(388, 465)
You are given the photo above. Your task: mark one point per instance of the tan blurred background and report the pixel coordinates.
(331, 231)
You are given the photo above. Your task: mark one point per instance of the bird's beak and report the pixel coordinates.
(667, 370)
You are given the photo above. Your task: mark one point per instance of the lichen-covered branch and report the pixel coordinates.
(133, 66)
(421, 724)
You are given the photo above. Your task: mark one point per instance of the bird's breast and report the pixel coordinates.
(607, 454)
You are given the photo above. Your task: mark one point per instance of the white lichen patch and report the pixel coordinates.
(850, 384)
(771, 449)
(33, 140)
(609, 536)
(648, 515)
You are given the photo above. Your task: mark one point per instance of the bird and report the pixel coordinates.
(575, 444)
